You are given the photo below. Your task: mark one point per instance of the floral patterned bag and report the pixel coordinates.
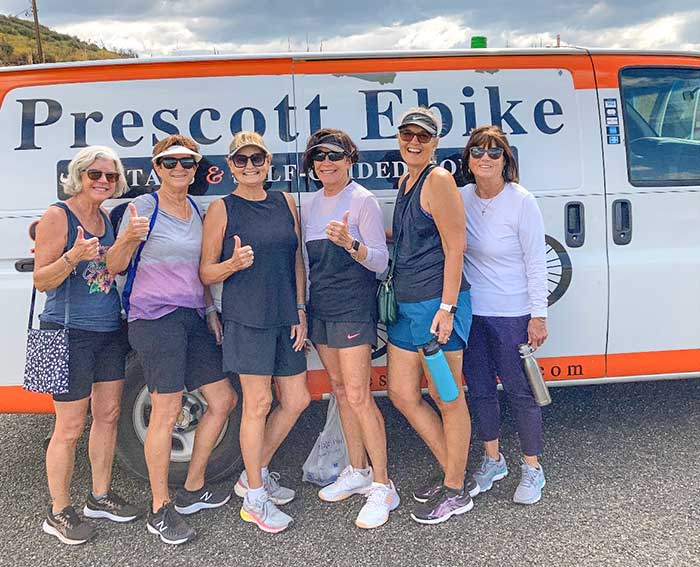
(46, 366)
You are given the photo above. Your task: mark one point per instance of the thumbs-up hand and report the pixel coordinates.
(338, 232)
(84, 249)
(242, 257)
(137, 229)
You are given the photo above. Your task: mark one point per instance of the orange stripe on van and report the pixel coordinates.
(659, 362)
(15, 399)
(578, 65)
(607, 67)
(143, 71)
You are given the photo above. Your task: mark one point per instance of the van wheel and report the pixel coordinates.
(558, 269)
(135, 415)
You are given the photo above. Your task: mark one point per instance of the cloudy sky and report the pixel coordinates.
(155, 28)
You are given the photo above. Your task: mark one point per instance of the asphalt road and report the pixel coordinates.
(623, 488)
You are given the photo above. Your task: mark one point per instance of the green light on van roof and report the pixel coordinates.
(478, 41)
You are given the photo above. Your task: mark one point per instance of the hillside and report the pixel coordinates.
(18, 45)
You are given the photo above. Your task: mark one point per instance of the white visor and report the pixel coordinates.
(175, 150)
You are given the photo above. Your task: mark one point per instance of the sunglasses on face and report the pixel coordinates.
(320, 156)
(408, 135)
(477, 152)
(171, 162)
(240, 160)
(95, 174)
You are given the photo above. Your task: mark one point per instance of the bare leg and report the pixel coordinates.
(60, 455)
(294, 399)
(164, 411)
(106, 402)
(404, 377)
(355, 365)
(257, 400)
(531, 460)
(221, 399)
(351, 425)
(491, 448)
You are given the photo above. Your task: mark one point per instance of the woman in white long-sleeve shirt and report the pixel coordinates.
(506, 266)
(346, 248)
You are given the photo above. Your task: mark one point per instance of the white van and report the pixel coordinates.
(608, 142)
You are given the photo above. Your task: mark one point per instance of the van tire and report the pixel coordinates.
(225, 459)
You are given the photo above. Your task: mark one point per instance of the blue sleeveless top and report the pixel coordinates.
(94, 300)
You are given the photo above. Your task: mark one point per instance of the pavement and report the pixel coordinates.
(623, 488)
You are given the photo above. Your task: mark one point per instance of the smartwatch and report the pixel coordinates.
(449, 308)
(355, 246)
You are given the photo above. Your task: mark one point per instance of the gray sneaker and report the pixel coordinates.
(187, 502)
(427, 491)
(67, 526)
(278, 494)
(489, 471)
(264, 514)
(532, 481)
(169, 526)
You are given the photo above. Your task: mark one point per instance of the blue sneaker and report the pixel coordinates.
(532, 481)
(489, 471)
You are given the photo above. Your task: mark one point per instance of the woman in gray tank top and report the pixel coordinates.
(71, 241)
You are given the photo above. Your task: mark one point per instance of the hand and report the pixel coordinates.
(137, 229)
(215, 327)
(299, 331)
(339, 232)
(537, 332)
(442, 325)
(84, 249)
(242, 257)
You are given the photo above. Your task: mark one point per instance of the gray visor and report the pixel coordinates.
(422, 120)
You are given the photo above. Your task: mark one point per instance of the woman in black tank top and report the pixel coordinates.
(433, 297)
(251, 242)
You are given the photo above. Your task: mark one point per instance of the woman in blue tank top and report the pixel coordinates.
(252, 243)
(433, 297)
(72, 239)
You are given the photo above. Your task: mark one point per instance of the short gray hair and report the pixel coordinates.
(435, 116)
(72, 184)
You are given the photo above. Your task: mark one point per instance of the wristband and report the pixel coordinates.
(449, 308)
(210, 309)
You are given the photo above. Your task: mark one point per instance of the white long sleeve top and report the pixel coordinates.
(505, 260)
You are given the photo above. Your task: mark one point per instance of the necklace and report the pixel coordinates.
(484, 207)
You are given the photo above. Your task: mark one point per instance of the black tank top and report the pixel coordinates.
(263, 295)
(420, 261)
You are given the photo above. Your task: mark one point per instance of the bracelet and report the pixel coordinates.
(71, 265)
(210, 309)
(301, 307)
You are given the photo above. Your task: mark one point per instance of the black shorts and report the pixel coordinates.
(264, 352)
(342, 334)
(176, 351)
(93, 356)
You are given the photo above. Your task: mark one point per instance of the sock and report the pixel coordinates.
(254, 494)
(364, 472)
(264, 472)
(98, 497)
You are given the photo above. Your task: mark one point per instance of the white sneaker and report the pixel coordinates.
(279, 494)
(349, 482)
(381, 499)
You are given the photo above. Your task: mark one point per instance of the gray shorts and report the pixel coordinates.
(342, 334)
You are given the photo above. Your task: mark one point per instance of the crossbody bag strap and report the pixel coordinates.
(66, 303)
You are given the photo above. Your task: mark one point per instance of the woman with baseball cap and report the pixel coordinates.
(346, 248)
(252, 243)
(433, 300)
(174, 328)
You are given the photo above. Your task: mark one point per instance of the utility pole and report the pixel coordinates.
(40, 51)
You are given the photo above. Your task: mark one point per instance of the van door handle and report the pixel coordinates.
(575, 224)
(24, 265)
(622, 221)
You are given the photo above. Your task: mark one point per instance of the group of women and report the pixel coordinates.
(469, 271)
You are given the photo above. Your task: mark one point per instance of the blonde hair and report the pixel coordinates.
(247, 138)
(435, 117)
(71, 182)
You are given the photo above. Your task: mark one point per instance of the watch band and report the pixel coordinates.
(355, 246)
(301, 306)
(449, 308)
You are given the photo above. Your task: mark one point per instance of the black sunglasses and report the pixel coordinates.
(240, 161)
(477, 152)
(408, 135)
(171, 162)
(320, 156)
(95, 174)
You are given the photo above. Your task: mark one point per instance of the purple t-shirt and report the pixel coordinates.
(168, 273)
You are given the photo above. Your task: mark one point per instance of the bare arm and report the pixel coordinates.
(299, 331)
(211, 269)
(130, 237)
(51, 266)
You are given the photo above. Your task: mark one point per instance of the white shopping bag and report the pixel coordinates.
(329, 455)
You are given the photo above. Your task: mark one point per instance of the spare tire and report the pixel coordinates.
(225, 459)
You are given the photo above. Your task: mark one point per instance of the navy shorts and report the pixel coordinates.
(93, 356)
(262, 352)
(176, 351)
(342, 334)
(412, 330)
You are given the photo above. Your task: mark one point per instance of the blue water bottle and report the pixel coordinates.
(440, 371)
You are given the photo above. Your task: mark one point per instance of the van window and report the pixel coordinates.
(662, 125)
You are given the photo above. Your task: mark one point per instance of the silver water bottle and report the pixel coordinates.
(534, 375)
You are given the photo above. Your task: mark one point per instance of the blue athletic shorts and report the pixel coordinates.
(412, 330)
